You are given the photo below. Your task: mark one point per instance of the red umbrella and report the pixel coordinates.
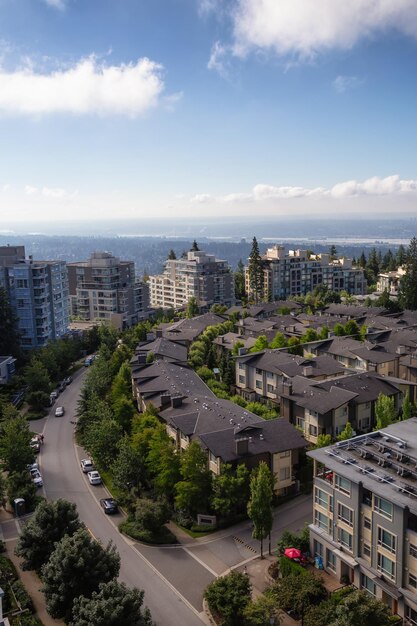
(292, 553)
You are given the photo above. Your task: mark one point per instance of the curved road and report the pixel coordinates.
(63, 479)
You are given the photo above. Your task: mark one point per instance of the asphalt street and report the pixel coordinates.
(173, 577)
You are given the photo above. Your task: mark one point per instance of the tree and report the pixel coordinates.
(15, 450)
(171, 255)
(9, 336)
(309, 335)
(122, 384)
(102, 439)
(37, 376)
(151, 515)
(261, 611)
(38, 400)
(406, 408)
(339, 330)
(408, 284)
(352, 329)
(76, 567)
(279, 341)
(230, 490)
(113, 605)
(240, 289)
(361, 608)
(372, 267)
(260, 344)
(256, 273)
(260, 504)
(192, 307)
(323, 441)
(401, 256)
(128, 470)
(163, 463)
(294, 346)
(299, 591)
(384, 411)
(20, 485)
(236, 347)
(347, 432)
(228, 597)
(194, 490)
(332, 252)
(124, 410)
(48, 525)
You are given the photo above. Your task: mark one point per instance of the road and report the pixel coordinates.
(173, 577)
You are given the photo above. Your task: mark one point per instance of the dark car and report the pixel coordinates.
(61, 386)
(68, 380)
(109, 505)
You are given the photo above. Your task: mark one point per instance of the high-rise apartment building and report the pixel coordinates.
(298, 272)
(38, 294)
(199, 275)
(104, 288)
(364, 528)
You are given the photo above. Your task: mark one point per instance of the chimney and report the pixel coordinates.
(150, 337)
(165, 400)
(308, 370)
(141, 358)
(401, 350)
(158, 333)
(176, 402)
(241, 445)
(242, 351)
(287, 389)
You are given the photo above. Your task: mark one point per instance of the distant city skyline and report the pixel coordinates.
(117, 109)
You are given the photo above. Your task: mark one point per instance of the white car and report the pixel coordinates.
(94, 478)
(37, 478)
(59, 411)
(87, 465)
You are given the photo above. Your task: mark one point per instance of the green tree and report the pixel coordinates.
(294, 346)
(347, 432)
(361, 608)
(239, 276)
(9, 336)
(163, 463)
(299, 591)
(76, 567)
(255, 273)
(279, 341)
(323, 441)
(128, 469)
(192, 307)
(261, 611)
(384, 411)
(352, 329)
(228, 597)
(401, 256)
(194, 247)
(15, 450)
(20, 485)
(122, 384)
(309, 335)
(37, 377)
(230, 490)
(102, 441)
(406, 407)
(408, 284)
(151, 515)
(339, 330)
(48, 525)
(38, 400)
(260, 344)
(372, 267)
(236, 347)
(260, 508)
(171, 255)
(123, 411)
(194, 490)
(113, 604)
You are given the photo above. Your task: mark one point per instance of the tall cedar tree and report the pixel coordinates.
(256, 274)
(240, 281)
(260, 503)
(408, 286)
(194, 247)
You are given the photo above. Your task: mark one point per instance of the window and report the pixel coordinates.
(413, 550)
(383, 507)
(318, 548)
(386, 540)
(367, 497)
(342, 484)
(259, 384)
(242, 379)
(345, 538)
(258, 371)
(331, 560)
(412, 580)
(321, 498)
(312, 430)
(367, 550)
(386, 566)
(270, 388)
(367, 523)
(321, 520)
(241, 366)
(345, 514)
(285, 454)
(367, 584)
(411, 614)
(284, 473)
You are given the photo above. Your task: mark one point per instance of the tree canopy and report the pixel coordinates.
(260, 504)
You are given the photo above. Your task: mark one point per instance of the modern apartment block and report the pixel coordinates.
(38, 293)
(365, 514)
(104, 288)
(199, 275)
(296, 273)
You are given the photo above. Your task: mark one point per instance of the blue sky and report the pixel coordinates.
(154, 108)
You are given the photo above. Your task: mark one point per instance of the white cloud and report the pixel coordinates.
(344, 83)
(30, 190)
(219, 59)
(56, 4)
(202, 198)
(306, 27)
(86, 88)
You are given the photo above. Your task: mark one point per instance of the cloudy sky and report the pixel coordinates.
(148, 108)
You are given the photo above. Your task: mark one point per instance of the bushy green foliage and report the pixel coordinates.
(297, 592)
(228, 597)
(260, 508)
(384, 411)
(289, 539)
(15, 450)
(230, 490)
(193, 492)
(20, 485)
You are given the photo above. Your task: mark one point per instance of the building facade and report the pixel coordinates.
(105, 289)
(38, 293)
(199, 275)
(297, 273)
(364, 527)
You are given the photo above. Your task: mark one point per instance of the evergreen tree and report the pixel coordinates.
(347, 432)
(239, 276)
(406, 408)
(362, 260)
(9, 337)
(408, 285)
(194, 490)
(171, 255)
(192, 307)
(260, 504)
(256, 273)
(194, 247)
(372, 267)
(384, 411)
(401, 256)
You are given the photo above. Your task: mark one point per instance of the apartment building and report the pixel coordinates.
(199, 275)
(297, 273)
(390, 281)
(38, 293)
(105, 289)
(7, 369)
(365, 514)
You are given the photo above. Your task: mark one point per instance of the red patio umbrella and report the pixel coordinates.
(292, 553)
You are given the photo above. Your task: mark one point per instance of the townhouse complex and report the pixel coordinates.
(297, 272)
(38, 294)
(364, 527)
(198, 275)
(104, 288)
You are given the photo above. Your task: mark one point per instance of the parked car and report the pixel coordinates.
(37, 478)
(32, 466)
(68, 380)
(61, 386)
(35, 443)
(94, 478)
(87, 465)
(88, 361)
(52, 397)
(59, 411)
(109, 505)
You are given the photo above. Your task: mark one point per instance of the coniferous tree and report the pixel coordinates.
(256, 273)
(408, 285)
(240, 291)
(400, 257)
(194, 247)
(171, 255)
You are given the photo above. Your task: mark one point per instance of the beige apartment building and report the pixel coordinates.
(364, 528)
(199, 275)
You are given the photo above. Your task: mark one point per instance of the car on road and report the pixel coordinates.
(88, 361)
(59, 411)
(35, 443)
(36, 478)
(32, 466)
(94, 478)
(61, 386)
(52, 397)
(87, 465)
(68, 380)
(109, 505)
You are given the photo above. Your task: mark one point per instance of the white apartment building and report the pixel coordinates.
(199, 275)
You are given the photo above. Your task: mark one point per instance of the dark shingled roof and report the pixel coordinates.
(164, 348)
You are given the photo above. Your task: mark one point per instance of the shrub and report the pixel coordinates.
(228, 597)
(22, 596)
(287, 567)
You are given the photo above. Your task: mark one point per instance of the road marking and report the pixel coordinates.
(244, 544)
(207, 567)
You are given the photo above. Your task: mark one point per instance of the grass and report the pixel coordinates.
(195, 534)
(108, 481)
(165, 536)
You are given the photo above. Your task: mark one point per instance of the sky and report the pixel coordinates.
(122, 109)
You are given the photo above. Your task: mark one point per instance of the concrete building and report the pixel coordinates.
(297, 273)
(199, 275)
(365, 514)
(38, 293)
(390, 281)
(105, 289)
(7, 369)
